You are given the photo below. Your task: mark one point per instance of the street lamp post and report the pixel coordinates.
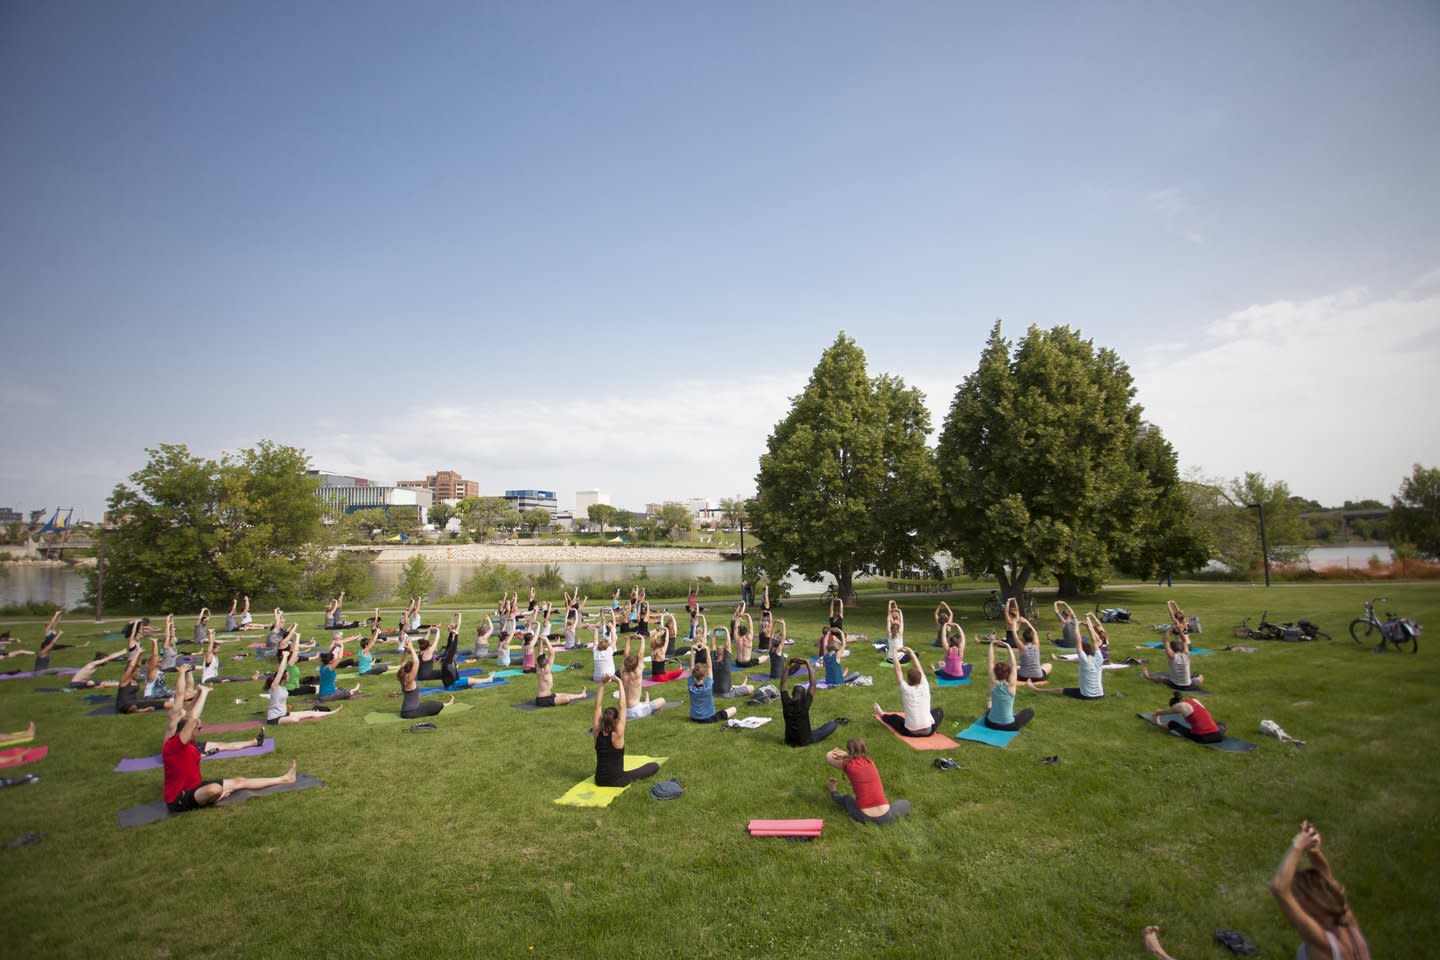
(100, 576)
(1264, 545)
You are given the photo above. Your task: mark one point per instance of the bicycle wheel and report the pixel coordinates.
(1362, 631)
(992, 609)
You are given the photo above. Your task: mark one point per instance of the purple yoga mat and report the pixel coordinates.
(133, 764)
(52, 672)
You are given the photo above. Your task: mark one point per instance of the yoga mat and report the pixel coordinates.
(977, 732)
(528, 705)
(50, 672)
(427, 691)
(12, 741)
(951, 682)
(381, 716)
(133, 764)
(1228, 745)
(786, 828)
(1074, 657)
(206, 727)
(19, 756)
(587, 794)
(150, 812)
(682, 675)
(108, 710)
(936, 741)
(1160, 645)
(502, 674)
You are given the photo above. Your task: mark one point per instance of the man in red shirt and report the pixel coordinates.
(184, 788)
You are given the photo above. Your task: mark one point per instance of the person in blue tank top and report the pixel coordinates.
(1000, 709)
(702, 699)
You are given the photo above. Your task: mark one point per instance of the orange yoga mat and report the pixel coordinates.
(936, 741)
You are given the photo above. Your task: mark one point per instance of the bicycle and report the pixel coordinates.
(1394, 630)
(994, 606)
(1292, 632)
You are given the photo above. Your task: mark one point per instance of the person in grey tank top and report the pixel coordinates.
(1029, 666)
(1177, 651)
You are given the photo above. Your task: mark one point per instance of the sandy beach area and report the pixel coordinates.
(512, 553)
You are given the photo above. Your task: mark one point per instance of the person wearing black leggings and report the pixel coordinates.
(609, 727)
(410, 706)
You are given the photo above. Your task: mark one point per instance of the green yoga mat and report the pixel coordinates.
(381, 716)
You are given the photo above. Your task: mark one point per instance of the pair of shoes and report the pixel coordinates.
(841, 721)
(422, 727)
(1236, 942)
(945, 763)
(1050, 761)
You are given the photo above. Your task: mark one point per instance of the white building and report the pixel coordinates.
(584, 499)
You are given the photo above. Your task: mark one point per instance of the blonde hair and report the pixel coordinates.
(701, 669)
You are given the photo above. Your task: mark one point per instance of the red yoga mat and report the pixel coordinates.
(19, 756)
(786, 828)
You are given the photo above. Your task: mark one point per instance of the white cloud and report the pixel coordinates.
(637, 440)
(1335, 394)
(1170, 201)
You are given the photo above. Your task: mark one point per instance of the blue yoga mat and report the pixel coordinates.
(948, 682)
(427, 691)
(1160, 645)
(977, 732)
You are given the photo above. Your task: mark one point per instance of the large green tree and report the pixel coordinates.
(847, 479)
(602, 514)
(1415, 511)
(485, 514)
(673, 519)
(1039, 463)
(192, 531)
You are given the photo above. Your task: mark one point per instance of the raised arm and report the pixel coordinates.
(1280, 885)
(1014, 679)
(192, 719)
(600, 702)
(279, 679)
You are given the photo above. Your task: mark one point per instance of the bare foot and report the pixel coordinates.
(338, 707)
(290, 774)
(832, 783)
(30, 730)
(1152, 941)
(878, 711)
(1030, 684)
(451, 701)
(584, 692)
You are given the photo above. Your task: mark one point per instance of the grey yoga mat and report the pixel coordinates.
(150, 812)
(1229, 744)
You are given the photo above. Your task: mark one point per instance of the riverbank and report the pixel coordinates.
(522, 553)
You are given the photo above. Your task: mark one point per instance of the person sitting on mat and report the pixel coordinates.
(1000, 708)
(154, 682)
(632, 677)
(184, 789)
(837, 620)
(918, 718)
(795, 707)
(609, 726)
(659, 667)
(449, 667)
(327, 691)
(1177, 650)
(1069, 625)
(701, 688)
(527, 651)
(721, 664)
(1092, 673)
(80, 680)
(603, 653)
(944, 616)
(365, 664)
(335, 615)
(244, 621)
(210, 664)
(1101, 635)
(545, 695)
(744, 633)
(895, 634)
(954, 667)
(410, 706)
(127, 699)
(278, 712)
(483, 631)
(869, 804)
(1027, 642)
(288, 668)
(429, 644)
(833, 650)
(1315, 902)
(169, 652)
(777, 650)
(1191, 720)
(200, 633)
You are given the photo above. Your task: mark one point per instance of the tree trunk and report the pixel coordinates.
(1012, 588)
(1069, 587)
(845, 583)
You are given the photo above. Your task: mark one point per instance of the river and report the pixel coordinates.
(65, 585)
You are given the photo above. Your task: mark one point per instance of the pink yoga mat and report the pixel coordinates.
(786, 828)
(27, 674)
(19, 756)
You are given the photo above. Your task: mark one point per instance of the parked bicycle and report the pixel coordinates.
(1397, 631)
(994, 606)
(1291, 632)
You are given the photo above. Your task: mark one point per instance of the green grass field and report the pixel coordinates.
(448, 843)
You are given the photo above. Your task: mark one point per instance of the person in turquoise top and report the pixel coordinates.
(327, 680)
(1000, 710)
(835, 649)
(702, 697)
(1092, 668)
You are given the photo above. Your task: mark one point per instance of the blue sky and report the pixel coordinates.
(575, 245)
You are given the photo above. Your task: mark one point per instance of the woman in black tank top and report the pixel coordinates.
(609, 727)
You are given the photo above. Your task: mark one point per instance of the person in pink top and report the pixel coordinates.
(954, 667)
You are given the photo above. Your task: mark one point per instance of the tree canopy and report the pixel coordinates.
(1042, 465)
(846, 480)
(1415, 512)
(191, 531)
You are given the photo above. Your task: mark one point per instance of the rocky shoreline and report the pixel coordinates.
(513, 553)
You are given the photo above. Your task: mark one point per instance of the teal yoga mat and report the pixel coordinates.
(1160, 645)
(977, 732)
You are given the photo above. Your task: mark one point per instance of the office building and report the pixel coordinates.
(339, 479)
(523, 500)
(585, 499)
(11, 515)
(342, 498)
(444, 485)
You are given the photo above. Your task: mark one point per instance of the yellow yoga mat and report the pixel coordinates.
(587, 794)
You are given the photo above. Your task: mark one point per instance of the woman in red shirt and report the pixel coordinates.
(184, 789)
(1191, 720)
(869, 804)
